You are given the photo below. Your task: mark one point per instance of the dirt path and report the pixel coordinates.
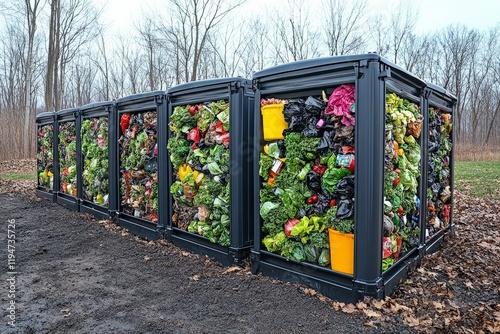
(76, 275)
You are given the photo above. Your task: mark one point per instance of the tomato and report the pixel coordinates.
(333, 202)
(194, 135)
(288, 227)
(311, 200)
(192, 110)
(396, 182)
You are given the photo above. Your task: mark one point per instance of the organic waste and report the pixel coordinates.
(439, 175)
(67, 158)
(199, 152)
(94, 136)
(308, 178)
(44, 157)
(138, 165)
(401, 178)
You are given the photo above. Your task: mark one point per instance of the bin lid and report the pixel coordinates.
(96, 105)
(324, 61)
(139, 97)
(46, 114)
(441, 90)
(67, 112)
(205, 83)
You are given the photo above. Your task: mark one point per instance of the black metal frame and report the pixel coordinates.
(62, 116)
(439, 97)
(101, 109)
(138, 103)
(240, 95)
(46, 118)
(373, 76)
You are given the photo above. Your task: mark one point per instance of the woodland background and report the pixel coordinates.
(57, 54)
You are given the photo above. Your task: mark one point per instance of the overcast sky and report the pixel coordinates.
(434, 14)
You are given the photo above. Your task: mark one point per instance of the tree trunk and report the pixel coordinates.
(51, 56)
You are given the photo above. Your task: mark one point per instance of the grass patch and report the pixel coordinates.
(30, 176)
(479, 178)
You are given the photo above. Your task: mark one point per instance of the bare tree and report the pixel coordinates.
(378, 29)
(73, 24)
(295, 38)
(402, 21)
(458, 45)
(343, 26)
(188, 29)
(53, 54)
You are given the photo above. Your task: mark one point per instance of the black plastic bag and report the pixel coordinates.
(345, 188)
(294, 115)
(321, 206)
(326, 144)
(310, 129)
(282, 148)
(314, 107)
(345, 208)
(313, 182)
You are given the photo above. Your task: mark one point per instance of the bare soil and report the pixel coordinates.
(79, 275)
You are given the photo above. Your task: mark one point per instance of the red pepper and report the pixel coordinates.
(311, 200)
(124, 122)
(192, 110)
(289, 226)
(320, 169)
(396, 182)
(223, 139)
(400, 210)
(333, 202)
(347, 149)
(219, 127)
(194, 135)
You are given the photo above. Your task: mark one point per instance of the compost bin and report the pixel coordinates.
(45, 156)
(138, 164)
(68, 158)
(98, 131)
(439, 167)
(209, 173)
(339, 178)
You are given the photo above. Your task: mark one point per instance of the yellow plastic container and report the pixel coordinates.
(341, 251)
(273, 121)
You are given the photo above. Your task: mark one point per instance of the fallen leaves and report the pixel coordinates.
(232, 269)
(66, 312)
(195, 278)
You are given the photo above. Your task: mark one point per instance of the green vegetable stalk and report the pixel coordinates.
(138, 166)
(67, 158)
(199, 152)
(94, 137)
(402, 168)
(45, 141)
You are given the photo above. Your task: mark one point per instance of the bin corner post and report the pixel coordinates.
(162, 170)
(453, 105)
(165, 198)
(254, 262)
(79, 160)
(422, 192)
(255, 199)
(368, 213)
(55, 159)
(238, 171)
(113, 171)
